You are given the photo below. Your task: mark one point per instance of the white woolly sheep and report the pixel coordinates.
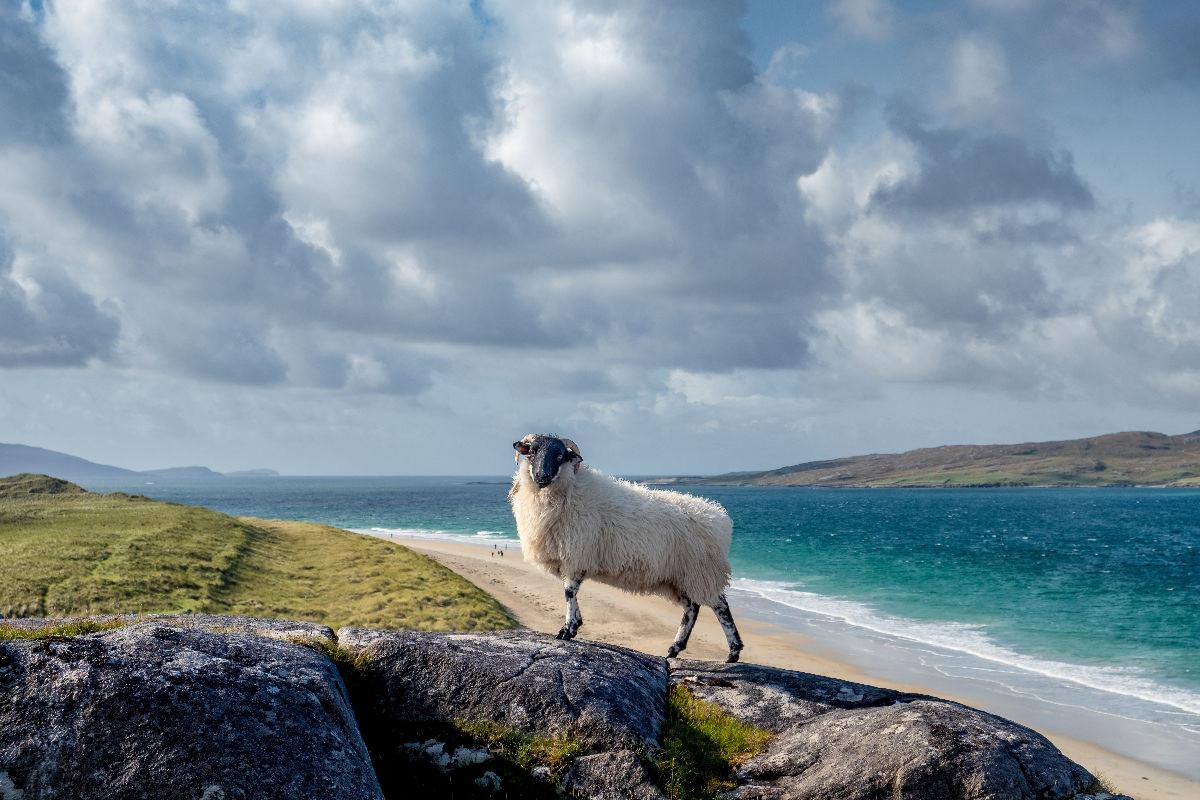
(576, 523)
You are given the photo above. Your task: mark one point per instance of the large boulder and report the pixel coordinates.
(155, 710)
(855, 742)
(609, 697)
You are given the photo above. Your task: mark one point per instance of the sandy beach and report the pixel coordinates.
(648, 624)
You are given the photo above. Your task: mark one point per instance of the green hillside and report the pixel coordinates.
(1118, 459)
(67, 552)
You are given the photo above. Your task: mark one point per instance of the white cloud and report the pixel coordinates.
(873, 20)
(979, 81)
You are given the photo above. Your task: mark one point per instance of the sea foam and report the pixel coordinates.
(477, 538)
(973, 640)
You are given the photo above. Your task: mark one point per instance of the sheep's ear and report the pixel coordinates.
(523, 449)
(573, 454)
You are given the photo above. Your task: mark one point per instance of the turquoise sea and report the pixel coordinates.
(1072, 610)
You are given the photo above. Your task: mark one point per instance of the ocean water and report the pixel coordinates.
(1073, 610)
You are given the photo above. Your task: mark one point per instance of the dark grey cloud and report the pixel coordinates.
(33, 91)
(983, 291)
(354, 365)
(57, 324)
(962, 170)
(225, 350)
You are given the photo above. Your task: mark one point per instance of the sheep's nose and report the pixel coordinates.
(543, 481)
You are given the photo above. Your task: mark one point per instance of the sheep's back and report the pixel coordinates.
(655, 541)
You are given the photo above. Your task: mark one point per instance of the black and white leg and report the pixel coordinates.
(690, 611)
(574, 618)
(721, 609)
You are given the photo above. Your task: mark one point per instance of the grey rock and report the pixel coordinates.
(775, 699)
(615, 775)
(159, 711)
(850, 741)
(610, 697)
(217, 623)
(218, 708)
(489, 780)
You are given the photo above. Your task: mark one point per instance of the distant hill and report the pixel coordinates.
(19, 458)
(1119, 459)
(182, 472)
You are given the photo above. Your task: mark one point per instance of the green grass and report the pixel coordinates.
(701, 745)
(77, 628)
(67, 552)
(521, 750)
(403, 772)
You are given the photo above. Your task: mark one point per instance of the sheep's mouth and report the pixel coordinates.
(543, 480)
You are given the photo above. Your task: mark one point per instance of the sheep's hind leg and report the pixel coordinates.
(690, 612)
(721, 609)
(574, 618)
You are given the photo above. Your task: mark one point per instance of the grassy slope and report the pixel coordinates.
(65, 552)
(1119, 459)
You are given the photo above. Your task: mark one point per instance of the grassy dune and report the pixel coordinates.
(68, 552)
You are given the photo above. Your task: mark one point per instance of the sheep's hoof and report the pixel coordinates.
(565, 633)
(733, 656)
(674, 651)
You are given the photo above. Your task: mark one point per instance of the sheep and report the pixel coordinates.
(575, 522)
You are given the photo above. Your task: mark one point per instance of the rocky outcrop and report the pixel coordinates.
(226, 707)
(846, 740)
(156, 710)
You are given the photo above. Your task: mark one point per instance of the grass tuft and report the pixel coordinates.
(701, 745)
(1100, 785)
(406, 772)
(523, 750)
(348, 664)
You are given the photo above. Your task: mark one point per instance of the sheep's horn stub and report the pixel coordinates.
(574, 448)
(522, 446)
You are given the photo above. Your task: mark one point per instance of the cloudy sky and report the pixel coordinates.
(393, 237)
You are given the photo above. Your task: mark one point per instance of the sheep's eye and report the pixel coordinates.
(558, 457)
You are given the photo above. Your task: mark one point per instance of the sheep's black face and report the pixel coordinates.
(546, 455)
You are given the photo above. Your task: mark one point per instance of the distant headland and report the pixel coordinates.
(1135, 458)
(18, 458)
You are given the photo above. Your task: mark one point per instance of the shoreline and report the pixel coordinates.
(648, 623)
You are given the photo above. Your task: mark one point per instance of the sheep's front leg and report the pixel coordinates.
(690, 612)
(725, 617)
(574, 618)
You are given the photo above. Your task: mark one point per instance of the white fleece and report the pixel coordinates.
(649, 541)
